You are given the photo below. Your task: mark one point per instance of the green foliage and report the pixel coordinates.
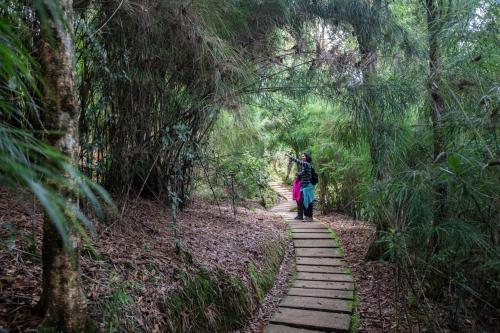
(208, 302)
(235, 159)
(25, 161)
(161, 76)
(373, 144)
(117, 310)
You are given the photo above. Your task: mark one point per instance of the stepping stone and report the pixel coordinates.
(307, 225)
(324, 277)
(318, 252)
(323, 285)
(286, 329)
(319, 261)
(326, 321)
(309, 230)
(321, 269)
(317, 230)
(315, 243)
(321, 293)
(316, 303)
(318, 235)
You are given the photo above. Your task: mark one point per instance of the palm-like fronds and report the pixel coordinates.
(25, 161)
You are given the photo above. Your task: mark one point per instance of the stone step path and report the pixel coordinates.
(321, 297)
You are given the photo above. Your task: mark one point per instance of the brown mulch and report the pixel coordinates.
(379, 302)
(137, 253)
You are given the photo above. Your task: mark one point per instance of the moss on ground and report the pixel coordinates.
(355, 320)
(263, 279)
(216, 302)
(339, 243)
(208, 302)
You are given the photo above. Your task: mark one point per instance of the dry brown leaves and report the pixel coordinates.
(136, 254)
(379, 305)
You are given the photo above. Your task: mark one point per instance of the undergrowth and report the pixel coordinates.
(207, 302)
(263, 279)
(217, 302)
(118, 307)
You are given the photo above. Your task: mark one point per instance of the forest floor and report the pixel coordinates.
(137, 257)
(137, 265)
(383, 305)
(378, 304)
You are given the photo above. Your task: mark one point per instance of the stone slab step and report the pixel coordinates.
(315, 243)
(317, 235)
(286, 329)
(318, 320)
(316, 230)
(321, 269)
(305, 224)
(323, 293)
(318, 252)
(316, 303)
(320, 261)
(307, 229)
(323, 285)
(324, 277)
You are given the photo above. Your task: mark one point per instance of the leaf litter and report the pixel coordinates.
(136, 265)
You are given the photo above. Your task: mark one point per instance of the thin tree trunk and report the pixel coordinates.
(62, 300)
(369, 69)
(434, 11)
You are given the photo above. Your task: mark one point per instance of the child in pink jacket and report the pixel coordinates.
(296, 194)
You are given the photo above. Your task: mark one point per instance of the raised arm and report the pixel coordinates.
(302, 164)
(298, 161)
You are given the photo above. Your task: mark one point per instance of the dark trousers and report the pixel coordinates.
(301, 210)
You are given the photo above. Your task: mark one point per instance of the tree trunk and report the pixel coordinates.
(369, 70)
(434, 13)
(63, 302)
(368, 66)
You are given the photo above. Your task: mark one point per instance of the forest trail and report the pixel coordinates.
(321, 297)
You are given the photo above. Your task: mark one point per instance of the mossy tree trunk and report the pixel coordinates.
(63, 302)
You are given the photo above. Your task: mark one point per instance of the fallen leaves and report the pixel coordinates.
(136, 254)
(379, 303)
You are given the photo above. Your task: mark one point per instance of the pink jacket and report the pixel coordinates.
(296, 190)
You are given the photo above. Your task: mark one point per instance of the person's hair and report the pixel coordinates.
(308, 157)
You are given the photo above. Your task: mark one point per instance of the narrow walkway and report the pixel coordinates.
(321, 297)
